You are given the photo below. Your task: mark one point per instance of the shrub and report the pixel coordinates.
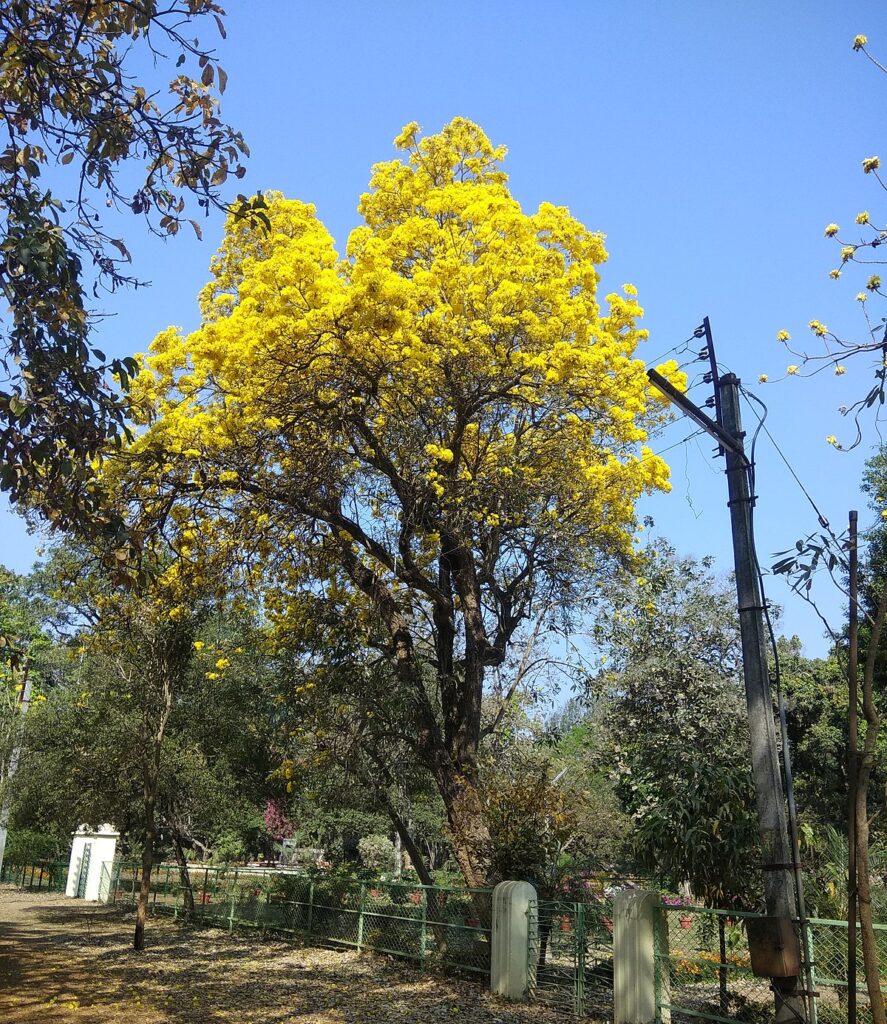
(376, 853)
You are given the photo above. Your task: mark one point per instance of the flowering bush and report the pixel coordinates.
(674, 901)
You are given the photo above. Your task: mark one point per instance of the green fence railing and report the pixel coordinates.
(441, 927)
(570, 957)
(703, 968)
(47, 876)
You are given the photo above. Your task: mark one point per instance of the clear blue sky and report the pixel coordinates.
(711, 142)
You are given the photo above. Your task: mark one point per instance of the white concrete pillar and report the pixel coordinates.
(636, 916)
(86, 867)
(514, 919)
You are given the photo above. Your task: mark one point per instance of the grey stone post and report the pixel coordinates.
(514, 909)
(635, 920)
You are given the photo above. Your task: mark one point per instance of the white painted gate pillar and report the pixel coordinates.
(514, 918)
(636, 917)
(90, 852)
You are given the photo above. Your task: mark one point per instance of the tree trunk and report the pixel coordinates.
(472, 843)
(406, 838)
(184, 880)
(864, 890)
(866, 762)
(145, 887)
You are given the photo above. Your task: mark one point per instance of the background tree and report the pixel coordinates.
(23, 642)
(88, 127)
(678, 731)
(85, 750)
(442, 433)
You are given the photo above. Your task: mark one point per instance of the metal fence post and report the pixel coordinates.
(658, 946)
(310, 905)
(423, 930)
(579, 956)
(361, 904)
(811, 950)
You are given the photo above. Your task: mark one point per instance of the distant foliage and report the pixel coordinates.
(376, 853)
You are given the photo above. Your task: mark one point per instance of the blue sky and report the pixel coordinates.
(711, 142)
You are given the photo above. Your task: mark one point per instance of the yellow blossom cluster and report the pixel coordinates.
(455, 370)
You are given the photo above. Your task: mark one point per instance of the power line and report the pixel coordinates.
(823, 519)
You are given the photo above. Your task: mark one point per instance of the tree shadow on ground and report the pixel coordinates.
(65, 961)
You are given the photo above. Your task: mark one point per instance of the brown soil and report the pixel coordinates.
(64, 960)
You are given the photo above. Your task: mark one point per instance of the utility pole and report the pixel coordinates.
(780, 865)
(778, 860)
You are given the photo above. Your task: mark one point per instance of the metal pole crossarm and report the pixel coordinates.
(723, 437)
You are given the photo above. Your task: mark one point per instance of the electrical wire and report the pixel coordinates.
(679, 349)
(823, 520)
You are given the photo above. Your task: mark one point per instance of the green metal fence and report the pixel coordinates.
(828, 947)
(444, 928)
(47, 876)
(570, 957)
(703, 968)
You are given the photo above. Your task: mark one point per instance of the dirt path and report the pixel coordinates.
(63, 961)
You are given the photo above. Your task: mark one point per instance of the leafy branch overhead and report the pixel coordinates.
(86, 139)
(859, 250)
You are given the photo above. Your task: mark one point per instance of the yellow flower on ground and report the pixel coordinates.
(199, 645)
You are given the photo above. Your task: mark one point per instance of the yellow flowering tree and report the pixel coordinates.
(438, 434)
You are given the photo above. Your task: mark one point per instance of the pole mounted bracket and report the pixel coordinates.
(712, 377)
(724, 438)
